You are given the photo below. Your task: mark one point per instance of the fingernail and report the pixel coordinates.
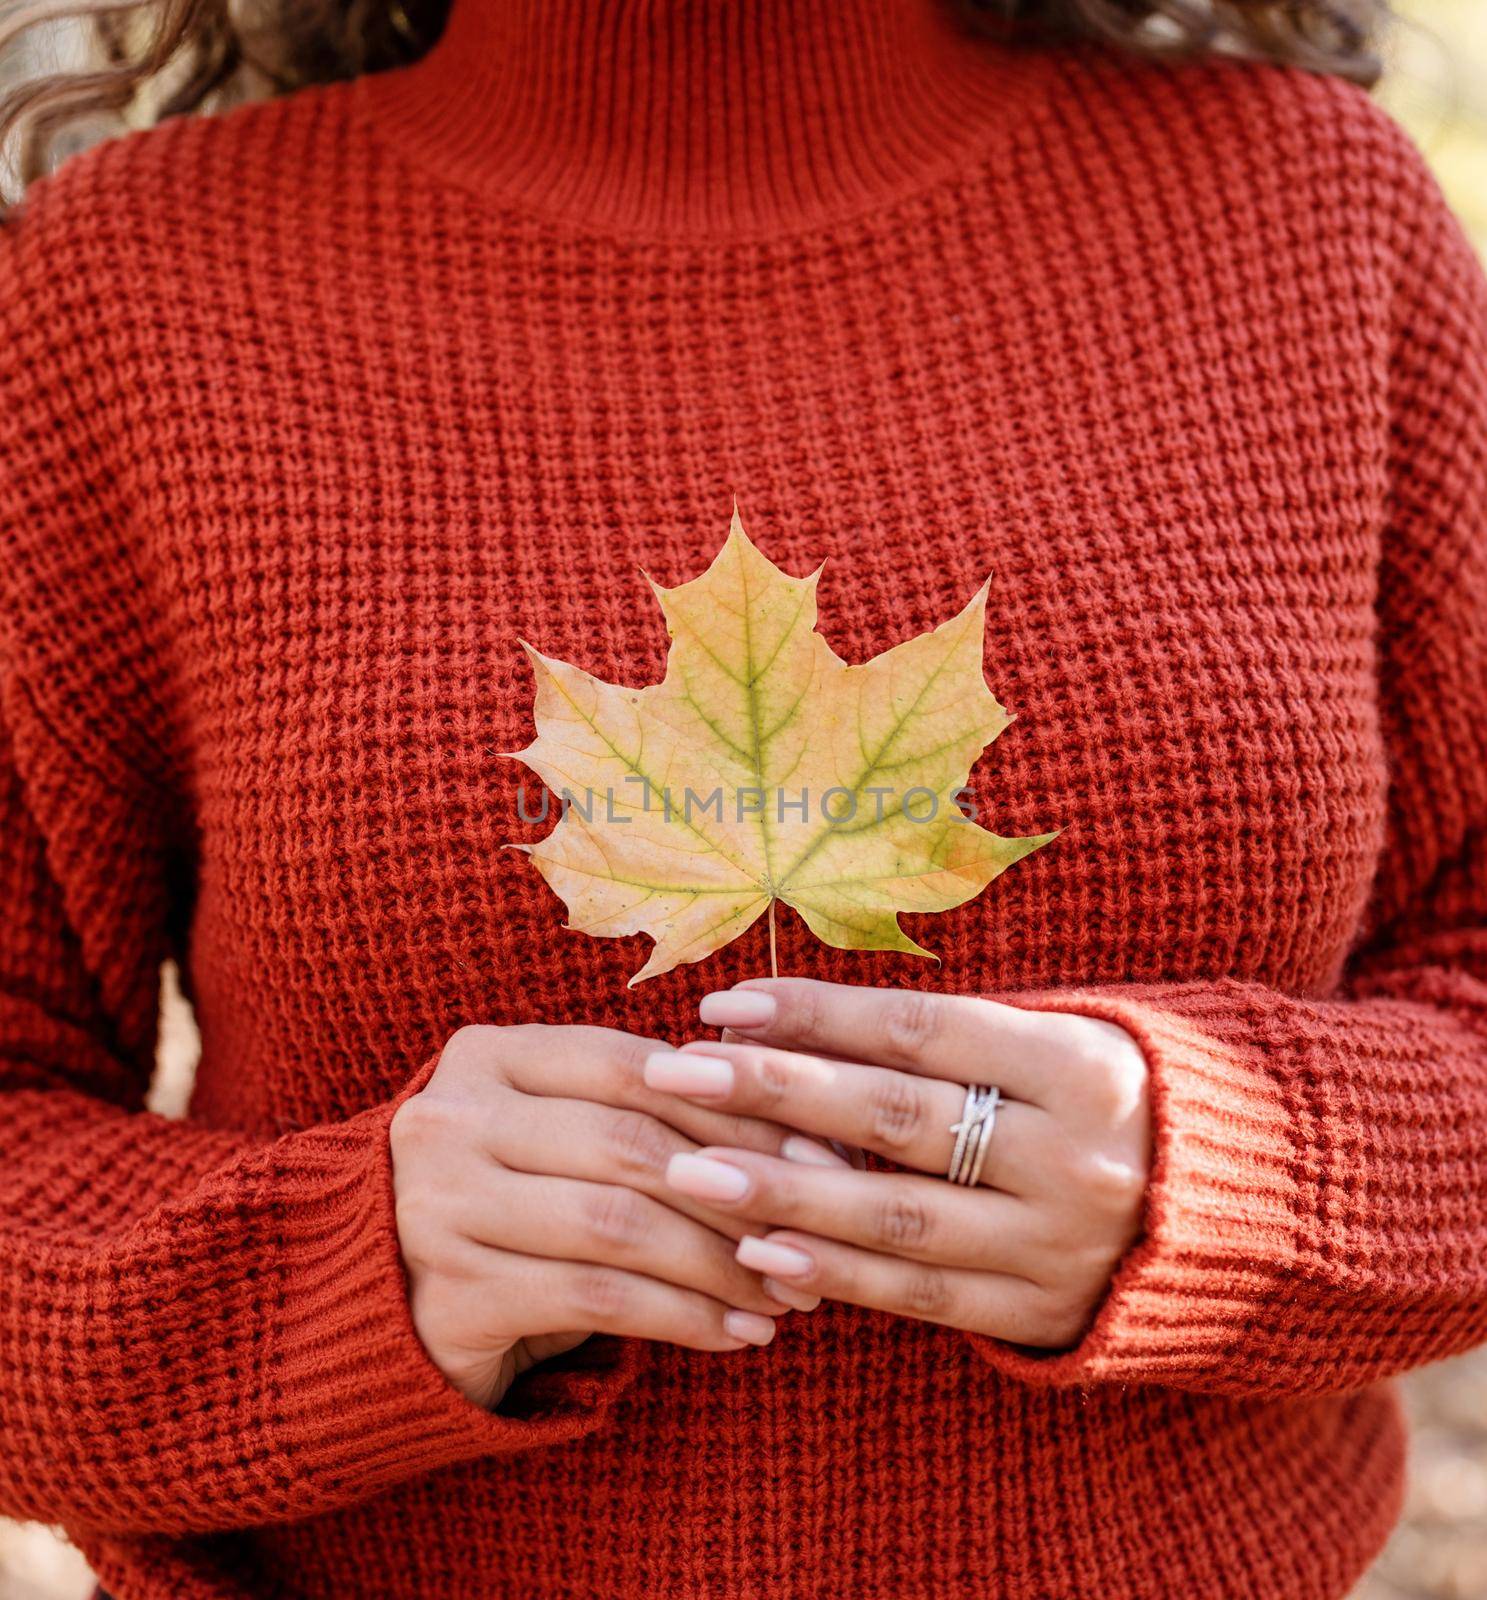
(779, 1260)
(737, 1008)
(796, 1299)
(809, 1153)
(706, 1179)
(677, 1072)
(749, 1326)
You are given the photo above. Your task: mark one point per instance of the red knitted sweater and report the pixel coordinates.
(310, 410)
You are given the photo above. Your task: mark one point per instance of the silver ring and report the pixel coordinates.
(973, 1134)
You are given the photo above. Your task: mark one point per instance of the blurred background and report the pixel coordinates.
(1437, 86)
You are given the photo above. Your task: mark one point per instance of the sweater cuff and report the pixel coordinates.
(1219, 1236)
(361, 1402)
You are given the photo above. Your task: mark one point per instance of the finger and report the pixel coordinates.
(608, 1067)
(1005, 1307)
(556, 1297)
(902, 1214)
(599, 1143)
(569, 1219)
(796, 1299)
(850, 1153)
(959, 1037)
(909, 1119)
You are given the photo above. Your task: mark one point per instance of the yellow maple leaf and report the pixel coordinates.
(763, 769)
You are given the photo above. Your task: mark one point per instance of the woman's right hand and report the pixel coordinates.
(533, 1209)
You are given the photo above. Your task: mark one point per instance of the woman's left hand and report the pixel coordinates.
(1027, 1255)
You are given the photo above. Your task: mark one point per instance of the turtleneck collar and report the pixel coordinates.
(701, 119)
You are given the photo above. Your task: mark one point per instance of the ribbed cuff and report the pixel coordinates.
(1218, 1241)
(361, 1404)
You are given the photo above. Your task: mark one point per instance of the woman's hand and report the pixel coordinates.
(532, 1207)
(1028, 1254)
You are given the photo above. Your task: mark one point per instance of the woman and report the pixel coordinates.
(460, 1278)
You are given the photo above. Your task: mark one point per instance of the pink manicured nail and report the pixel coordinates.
(737, 1008)
(749, 1326)
(678, 1072)
(779, 1260)
(796, 1299)
(706, 1179)
(809, 1153)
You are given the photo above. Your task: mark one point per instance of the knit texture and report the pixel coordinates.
(311, 410)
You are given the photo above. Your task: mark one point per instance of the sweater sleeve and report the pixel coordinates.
(1316, 1217)
(198, 1329)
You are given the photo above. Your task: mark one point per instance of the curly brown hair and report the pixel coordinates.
(162, 58)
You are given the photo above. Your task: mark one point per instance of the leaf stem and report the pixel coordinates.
(774, 963)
